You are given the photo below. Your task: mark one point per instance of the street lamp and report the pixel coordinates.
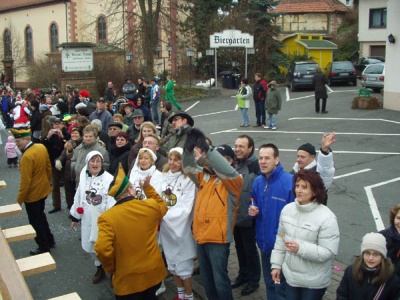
(210, 52)
(248, 51)
(190, 54)
(129, 57)
(159, 49)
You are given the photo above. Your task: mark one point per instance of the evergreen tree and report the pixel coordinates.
(268, 56)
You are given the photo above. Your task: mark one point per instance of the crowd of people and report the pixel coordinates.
(144, 186)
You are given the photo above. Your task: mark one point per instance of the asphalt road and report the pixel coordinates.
(366, 155)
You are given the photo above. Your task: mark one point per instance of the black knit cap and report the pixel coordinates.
(308, 148)
(226, 150)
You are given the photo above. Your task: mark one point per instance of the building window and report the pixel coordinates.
(28, 45)
(348, 3)
(54, 38)
(101, 29)
(7, 45)
(377, 18)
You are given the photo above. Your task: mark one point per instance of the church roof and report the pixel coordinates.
(6, 5)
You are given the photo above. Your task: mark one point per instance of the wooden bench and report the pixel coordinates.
(12, 272)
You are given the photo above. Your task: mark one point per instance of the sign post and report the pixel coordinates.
(77, 59)
(228, 39)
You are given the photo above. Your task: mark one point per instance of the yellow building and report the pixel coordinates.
(313, 45)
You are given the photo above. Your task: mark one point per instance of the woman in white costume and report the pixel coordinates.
(176, 238)
(90, 201)
(145, 166)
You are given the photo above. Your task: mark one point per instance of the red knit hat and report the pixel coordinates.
(84, 93)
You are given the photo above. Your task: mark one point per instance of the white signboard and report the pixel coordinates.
(231, 38)
(77, 59)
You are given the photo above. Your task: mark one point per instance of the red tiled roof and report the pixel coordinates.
(18, 4)
(310, 6)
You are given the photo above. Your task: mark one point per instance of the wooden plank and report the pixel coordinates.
(36, 264)
(20, 233)
(72, 296)
(10, 210)
(11, 276)
(4, 293)
(3, 184)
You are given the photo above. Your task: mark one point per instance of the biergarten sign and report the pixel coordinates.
(231, 38)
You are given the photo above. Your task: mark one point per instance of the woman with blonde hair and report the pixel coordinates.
(176, 238)
(145, 166)
(145, 130)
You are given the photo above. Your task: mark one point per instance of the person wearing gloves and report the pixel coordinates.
(176, 238)
(145, 166)
(371, 276)
(91, 200)
(307, 240)
(324, 165)
(215, 210)
(132, 256)
(243, 99)
(182, 123)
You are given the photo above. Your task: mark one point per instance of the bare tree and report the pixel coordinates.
(138, 27)
(15, 54)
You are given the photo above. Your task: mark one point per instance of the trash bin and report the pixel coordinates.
(237, 78)
(227, 79)
(364, 92)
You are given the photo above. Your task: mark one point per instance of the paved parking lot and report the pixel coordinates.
(366, 183)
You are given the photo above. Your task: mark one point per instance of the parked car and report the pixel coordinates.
(341, 72)
(374, 77)
(300, 75)
(366, 61)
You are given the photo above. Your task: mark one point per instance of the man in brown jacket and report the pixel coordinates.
(34, 187)
(132, 256)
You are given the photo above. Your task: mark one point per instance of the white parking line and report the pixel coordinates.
(352, 173)
(193, 105)
(346, 119)
(329, 88)
(372, 202)
(300, 132)
(298, 98)
(213, 113)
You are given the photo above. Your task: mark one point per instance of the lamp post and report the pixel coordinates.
(129, 57)
(210, 52)
(248, 51)
(159, 49)
(190, 54)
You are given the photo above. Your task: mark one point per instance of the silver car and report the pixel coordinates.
(373, 77)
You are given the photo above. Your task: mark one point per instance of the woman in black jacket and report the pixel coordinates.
(120, 153)
(36, 121)
(320, 81)
(392, 235)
